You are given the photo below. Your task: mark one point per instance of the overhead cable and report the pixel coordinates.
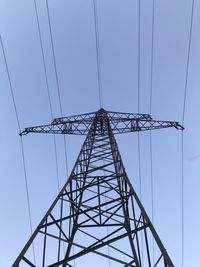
(21, 143)
(183, 123)
(99, 74)
(48, 90)
(139, 76)
(57, 79)
(59, 97)
(150, 133)
(139, 158)
(152, 56)
(188, 62)
(139, 35)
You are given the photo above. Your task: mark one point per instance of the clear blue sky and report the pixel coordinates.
(73, 31)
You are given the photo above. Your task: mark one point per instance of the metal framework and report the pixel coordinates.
(97, 212)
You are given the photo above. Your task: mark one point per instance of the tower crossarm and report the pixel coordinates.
(120, 123)
(126, 126)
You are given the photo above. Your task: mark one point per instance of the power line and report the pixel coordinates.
(152, 55)
(150, 133)
(139, 149)
(139, 26)
(188, 62)
(57, 79)
(54, 58)
(59, 97)
(182, 199)
(43, 57)
(48, 90)
(139, 161)
(21, 143)
(98, 53)
(182, 135)
(139, 167)
(139, 158)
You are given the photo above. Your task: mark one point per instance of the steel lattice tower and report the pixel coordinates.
(98, 207)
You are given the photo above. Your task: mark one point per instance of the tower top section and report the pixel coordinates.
(120, 122)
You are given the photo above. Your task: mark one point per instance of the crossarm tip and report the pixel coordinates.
(24, 132)
(178, 126)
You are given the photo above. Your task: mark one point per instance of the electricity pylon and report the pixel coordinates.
(97, 212)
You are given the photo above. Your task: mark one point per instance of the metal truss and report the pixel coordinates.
(119, 122)
(98, 207)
